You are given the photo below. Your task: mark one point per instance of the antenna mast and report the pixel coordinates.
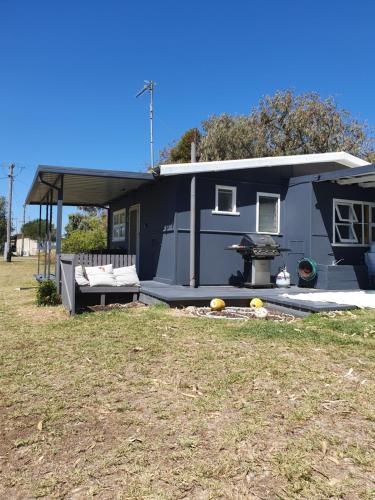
(149, 85)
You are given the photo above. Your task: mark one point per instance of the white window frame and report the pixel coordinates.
(352, 242)
(117, 212)
(234, 211)
(268, 195)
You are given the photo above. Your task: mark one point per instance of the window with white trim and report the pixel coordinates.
(353, 222)
(118, 225)
(268, 213)
(225, 200)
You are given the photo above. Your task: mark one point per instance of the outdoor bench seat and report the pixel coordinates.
(73, 295)
(103, 291)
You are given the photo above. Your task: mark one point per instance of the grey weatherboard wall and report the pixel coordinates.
(305, 224)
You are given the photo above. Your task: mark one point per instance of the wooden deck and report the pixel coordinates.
(153, 292)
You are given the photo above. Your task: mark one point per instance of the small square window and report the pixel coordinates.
(118, 225)
(225, 200)
(268, 213)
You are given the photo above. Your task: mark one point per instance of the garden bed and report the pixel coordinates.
(239, 313)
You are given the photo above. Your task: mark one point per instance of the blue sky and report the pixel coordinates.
(70, 70)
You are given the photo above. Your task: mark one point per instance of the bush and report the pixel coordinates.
(85, 241)
(46, 294)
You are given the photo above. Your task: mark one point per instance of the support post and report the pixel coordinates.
(193, 283)
(39, 235)
(49, 233)
(45, 240)
(59, 211)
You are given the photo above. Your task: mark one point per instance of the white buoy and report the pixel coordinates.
(283, 279)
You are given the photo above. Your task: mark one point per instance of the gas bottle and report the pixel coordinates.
(283, 278)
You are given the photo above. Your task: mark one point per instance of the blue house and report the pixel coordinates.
(180, 221)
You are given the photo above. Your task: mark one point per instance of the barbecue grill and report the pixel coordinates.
(260, 249)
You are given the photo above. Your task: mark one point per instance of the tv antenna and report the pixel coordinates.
(149, 86)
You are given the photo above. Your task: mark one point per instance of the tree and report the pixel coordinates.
(88, 210)
(85, 241)
(77, 222)
(85, 232)
(3, 222)
(181, 151)
(31, 229)
(285, 124)
(228, 137)
(370, 157)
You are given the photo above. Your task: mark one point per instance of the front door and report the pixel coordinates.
(133, 231)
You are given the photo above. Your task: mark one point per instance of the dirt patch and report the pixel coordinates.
(116, 306)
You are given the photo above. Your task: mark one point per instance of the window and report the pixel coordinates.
(268, 213)
(225, 200)
(118, 225)
(353, 222)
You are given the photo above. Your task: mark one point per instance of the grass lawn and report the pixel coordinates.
(149, 404)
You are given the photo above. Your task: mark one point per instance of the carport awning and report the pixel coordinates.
(83, 186)
(361, 176)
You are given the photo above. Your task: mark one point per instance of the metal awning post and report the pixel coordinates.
(45, 239)
(49, 232)
(59, 213)
(39, 235)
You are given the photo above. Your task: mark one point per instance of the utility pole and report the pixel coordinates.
(150, 86)
(23, 228)
(8, 248)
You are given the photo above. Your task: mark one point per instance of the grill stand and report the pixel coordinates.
(260, 249)
(260, 274)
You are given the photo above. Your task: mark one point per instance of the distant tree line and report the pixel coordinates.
(31, 229)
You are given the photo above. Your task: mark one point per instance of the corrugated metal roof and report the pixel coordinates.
(84, 186)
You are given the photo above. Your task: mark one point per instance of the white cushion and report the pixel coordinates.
(126, 276)
(80, 276)
(90, 271)
(102, 279)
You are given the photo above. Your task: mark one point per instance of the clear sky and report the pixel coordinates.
(70, 71)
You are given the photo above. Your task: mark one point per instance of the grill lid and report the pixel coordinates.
(258, 240)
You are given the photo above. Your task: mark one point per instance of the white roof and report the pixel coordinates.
(341, 158)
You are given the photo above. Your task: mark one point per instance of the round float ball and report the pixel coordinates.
(217, 304)
(256, 302)
(260, 313)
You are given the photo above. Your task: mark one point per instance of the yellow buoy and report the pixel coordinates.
(256, 302)
(217, 304)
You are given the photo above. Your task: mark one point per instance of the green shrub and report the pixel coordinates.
(80, 241)
(46, 294)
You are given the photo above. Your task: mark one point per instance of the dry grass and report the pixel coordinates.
(146, 404)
